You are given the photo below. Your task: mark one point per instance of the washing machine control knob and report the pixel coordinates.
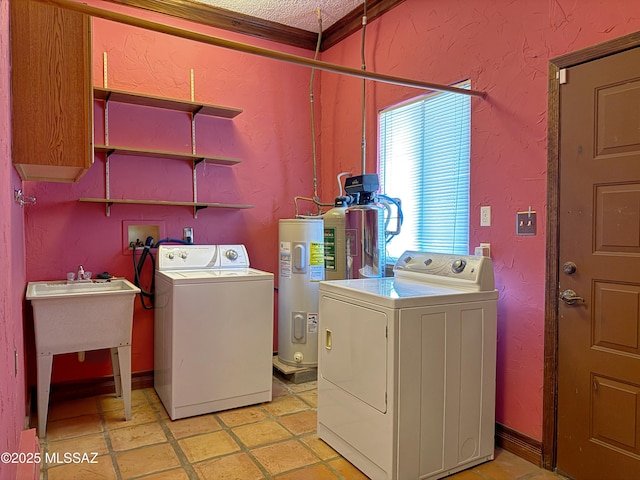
(231, 255)
(458, 265)
(183, 255)
(170, 255)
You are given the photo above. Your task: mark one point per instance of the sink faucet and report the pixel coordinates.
(80, 272)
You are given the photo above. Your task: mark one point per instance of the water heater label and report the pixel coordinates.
(316, 261)
(285, 259)
(330, 248)
(312, 323)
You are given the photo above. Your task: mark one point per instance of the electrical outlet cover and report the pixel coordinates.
(485, 216)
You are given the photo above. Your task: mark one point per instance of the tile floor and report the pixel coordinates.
(273, 440)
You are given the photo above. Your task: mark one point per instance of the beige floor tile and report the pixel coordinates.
(311, 397)
(302, 387)
(283, 405)
(208, 445)
(152, 396)
(85, 444)
(186, 427)
(230, 467)
(505, 466)
(545, 475)
(139, 414)
(242, 416)
(348, 471)
(102, 469)
(175, 474)
(261, 433)
(301, 422)
(284, 456)
(161, 410)
(314, 472)
(467, 475)
(278, 389)
(136, 436)
(319, 447)
(74, 427)
(72, 408)
(142, 450)
(140, 461)
(111, 402)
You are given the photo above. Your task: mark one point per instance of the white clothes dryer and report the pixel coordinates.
(406, 367)
(213, 337)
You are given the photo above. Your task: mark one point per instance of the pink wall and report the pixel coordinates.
(271, 137)
(504, 48)
(12, 272)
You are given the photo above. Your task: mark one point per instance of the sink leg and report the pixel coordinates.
(44, 365)
(124, 357)
(115, 364)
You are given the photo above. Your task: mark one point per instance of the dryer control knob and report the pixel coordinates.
(170, 255)
(231, 255)
(458, 265)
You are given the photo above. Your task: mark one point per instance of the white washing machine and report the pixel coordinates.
(406, 367)
(213, 337)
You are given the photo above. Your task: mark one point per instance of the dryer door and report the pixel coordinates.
(353, 350)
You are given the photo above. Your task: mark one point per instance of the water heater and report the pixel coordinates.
(301, 261)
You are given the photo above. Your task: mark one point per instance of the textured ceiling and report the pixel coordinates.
(294, 13)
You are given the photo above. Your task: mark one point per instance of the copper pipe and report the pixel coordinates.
(263, 52)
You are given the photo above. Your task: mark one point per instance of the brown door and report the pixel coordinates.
(599, 288)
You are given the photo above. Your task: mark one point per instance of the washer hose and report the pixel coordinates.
(139, 263)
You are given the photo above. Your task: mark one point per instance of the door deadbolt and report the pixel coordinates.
(570, 297)
(569, 268)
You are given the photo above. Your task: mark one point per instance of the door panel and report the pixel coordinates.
(353, 350)
(617, 218)
(599, 324)
(615, 320)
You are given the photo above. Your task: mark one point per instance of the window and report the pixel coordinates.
(424, 161)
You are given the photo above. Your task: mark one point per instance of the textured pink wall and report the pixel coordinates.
(504, 48)
(12, 272)
(271, 137)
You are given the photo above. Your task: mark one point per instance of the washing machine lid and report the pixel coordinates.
(402, 293)
(215, 275)
(423, 279)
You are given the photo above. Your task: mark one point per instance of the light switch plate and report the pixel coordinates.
(526, 223)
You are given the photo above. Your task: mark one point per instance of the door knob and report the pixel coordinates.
(569, 268)
(570, 297)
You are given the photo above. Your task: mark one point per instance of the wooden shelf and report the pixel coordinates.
(196, 205)
(168, 103)
(141, 152)
(193, 109)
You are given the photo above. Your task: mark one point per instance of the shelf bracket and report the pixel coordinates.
(195, 189)
(196, 208)
(107, 193)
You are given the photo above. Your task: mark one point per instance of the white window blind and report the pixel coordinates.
(424, 161)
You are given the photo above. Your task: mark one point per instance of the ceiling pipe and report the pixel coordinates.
(253, 50)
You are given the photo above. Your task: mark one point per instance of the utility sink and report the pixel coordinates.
(64, 288)
(77, 317)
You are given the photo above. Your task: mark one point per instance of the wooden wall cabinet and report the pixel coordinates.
(51, 92)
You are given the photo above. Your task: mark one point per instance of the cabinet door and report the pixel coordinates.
(52, 107)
